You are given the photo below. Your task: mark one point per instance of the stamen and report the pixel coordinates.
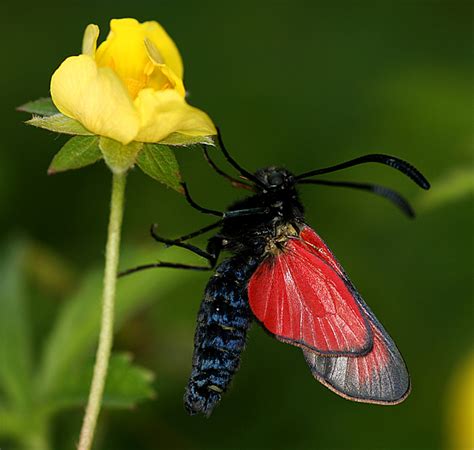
(153, 52)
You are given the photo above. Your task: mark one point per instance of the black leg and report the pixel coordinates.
(246, 212)
(196, 233)
(224, 215)
(196, 206)
(163, 264)
(234, 163)
(177, 243)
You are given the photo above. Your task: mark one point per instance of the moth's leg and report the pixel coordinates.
(198, 232)
(171, 242)
(234, 181)
(246, 212)
(196, 206)
(177, 243)
(169, 265)
(224, 215)
(213, 250)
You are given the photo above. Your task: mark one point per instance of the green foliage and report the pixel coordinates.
(68, 342)
(59, 123)
(42, 107)
(159, 162)
(15, 343)
(451, 187)
(35, 387)
(127, 384)
(78, 152)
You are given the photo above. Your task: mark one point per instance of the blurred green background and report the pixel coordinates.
(295, 83)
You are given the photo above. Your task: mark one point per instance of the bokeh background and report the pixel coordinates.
(294, 83)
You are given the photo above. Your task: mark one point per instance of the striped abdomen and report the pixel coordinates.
(223, 321)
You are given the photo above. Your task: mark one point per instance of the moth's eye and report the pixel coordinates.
(275, 179)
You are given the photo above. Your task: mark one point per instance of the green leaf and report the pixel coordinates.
(76, 330)
(50, 272)
(452, 187)
(59, 123)
(42, 107)
(180, 139)
(126, 385)
(11, 424)
(119, 157)
(79, 151)
(15, 343)
(159, 162)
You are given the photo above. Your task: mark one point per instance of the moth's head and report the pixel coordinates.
(274, 179)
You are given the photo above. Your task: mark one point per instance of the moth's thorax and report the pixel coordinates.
(276, 244)
(265, 230)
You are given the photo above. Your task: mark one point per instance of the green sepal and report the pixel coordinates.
(59, 123)
(183, 140)
(127, 384)
(119, 157)
(159, 162)
(79, 151)
(42, 107)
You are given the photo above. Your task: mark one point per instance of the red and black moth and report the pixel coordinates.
(283, 275)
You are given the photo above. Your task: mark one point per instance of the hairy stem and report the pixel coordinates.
(107, 322)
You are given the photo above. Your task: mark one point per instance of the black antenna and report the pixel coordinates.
(234, 181)
(391, 161)
(376, 189)
(234, 163)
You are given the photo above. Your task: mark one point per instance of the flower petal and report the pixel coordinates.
(124, 52)
(165, 112)
(89, 41)
(95, 97)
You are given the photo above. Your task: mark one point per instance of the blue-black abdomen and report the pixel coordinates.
(223, 321)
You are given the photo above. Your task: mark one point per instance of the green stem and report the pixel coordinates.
(107, 324)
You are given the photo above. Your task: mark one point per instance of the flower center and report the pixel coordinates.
(138, 77)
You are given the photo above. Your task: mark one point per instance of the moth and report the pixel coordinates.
(283, 276)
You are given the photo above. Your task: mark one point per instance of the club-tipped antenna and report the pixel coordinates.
(382, 191)
(391, 161)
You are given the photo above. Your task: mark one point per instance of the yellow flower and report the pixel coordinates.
(130, 88)
(460, 410)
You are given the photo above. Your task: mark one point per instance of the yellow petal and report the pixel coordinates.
(95, 97)
(124, 52)
(165, 45)
(89, 41)
(165, 112)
